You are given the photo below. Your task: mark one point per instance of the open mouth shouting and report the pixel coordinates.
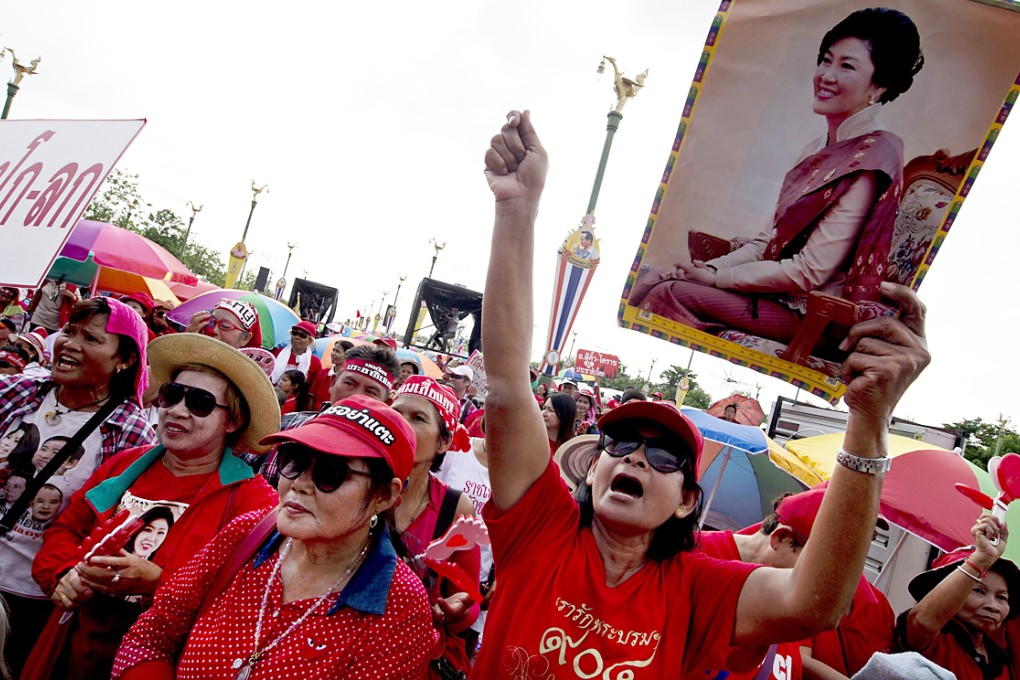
(627, 485)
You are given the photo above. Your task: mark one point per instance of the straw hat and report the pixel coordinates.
(574, 458)
(169, 352)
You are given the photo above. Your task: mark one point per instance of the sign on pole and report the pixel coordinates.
(49, 171)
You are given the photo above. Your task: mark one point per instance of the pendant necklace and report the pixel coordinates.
(52, 418)
(244, 666)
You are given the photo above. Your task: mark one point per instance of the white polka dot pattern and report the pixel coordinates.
(347, 644)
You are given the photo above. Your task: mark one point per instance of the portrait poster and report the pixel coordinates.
(801, 178)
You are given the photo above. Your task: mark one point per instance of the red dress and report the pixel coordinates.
(380, 626)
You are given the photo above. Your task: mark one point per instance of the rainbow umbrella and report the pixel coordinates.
(275, 318)
(117, 248)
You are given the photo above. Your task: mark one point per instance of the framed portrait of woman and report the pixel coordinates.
(826, 146)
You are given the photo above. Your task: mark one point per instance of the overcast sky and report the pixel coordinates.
(369, 121)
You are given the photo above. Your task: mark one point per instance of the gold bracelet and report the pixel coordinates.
(968, 574)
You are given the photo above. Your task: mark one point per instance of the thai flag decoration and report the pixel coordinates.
(575, 264)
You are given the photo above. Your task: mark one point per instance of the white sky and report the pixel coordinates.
(369, 121)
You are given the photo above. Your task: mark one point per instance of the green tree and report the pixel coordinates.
(671, 377)
(982, 438)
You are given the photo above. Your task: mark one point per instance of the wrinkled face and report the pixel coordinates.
(631, 498)
(227, 327)
(460, 384)
(337, 355)
(14, 487)
(85, 355)
(299, 341)
(842, 82)
(45, 505)
(987, 605)
(568, 389)
(348, 383)
(406, 371)
(189, 436)
(310, 515)
(552, 421)
(46, 452)
(423, 417)
(151, 537)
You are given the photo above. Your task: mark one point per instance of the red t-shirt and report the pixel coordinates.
(553, 616)
(953, 650)
(785, 659)
(866, 629)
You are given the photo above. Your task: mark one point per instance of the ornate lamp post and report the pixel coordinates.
(282, 283)
(187, 234)
(20, 71)
(438, 247)
(239, 253)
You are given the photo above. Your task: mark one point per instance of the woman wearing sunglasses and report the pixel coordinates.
(609, 587)
(213, 400)
(323, 592)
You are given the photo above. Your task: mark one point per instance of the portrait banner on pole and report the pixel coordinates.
(49, 171)
(809, 169)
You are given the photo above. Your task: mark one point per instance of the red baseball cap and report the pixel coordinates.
(385, 342)
(305, 326)
(660, 413)
(357, 427)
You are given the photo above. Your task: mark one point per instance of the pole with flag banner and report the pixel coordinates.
(578, 257)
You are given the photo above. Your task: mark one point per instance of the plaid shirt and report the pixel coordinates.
(126, 427)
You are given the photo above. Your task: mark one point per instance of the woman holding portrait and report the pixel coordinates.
(833, 224)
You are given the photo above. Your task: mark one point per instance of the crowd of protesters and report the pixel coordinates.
(186, 504)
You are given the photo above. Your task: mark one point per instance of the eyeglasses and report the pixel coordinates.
(300, 334)
(661, 459)
(223, 325)
(328, 472)
(200, 402)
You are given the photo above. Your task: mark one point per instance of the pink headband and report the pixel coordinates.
(125, 321)
(370, 370)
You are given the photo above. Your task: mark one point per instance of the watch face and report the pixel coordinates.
(553, 357)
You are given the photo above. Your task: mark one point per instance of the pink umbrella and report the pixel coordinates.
(119, 248)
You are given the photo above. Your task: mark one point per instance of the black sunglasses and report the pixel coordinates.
(200, 402)
(299, 334)
(329, 472)
(658, 456)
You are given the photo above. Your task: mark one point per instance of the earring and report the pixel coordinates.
(681, 512)
(373, 522)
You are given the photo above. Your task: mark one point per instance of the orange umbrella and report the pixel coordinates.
(749, 411)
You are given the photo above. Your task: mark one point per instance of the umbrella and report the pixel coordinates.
(819, 453)
(119, 248)
(429, 367)
(117, 281)
(792, 464)
(80, 273)
(185, 292)
(323, 346)
(740, 479)
(749, 411)
(275, 318)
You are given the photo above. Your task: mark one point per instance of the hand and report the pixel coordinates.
(70, 592)
(700, 273)
(198, 322)
(449, 611)
(887, 354)
(125, 574)
(984, 530)
(516, 164)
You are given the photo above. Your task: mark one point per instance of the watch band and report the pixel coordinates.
(869, 466)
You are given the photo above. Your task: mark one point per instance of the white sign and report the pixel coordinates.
(49, 171)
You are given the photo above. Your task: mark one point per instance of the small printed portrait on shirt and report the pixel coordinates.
(18, 444)
(46, 504)
(810, 168)
(157, 523)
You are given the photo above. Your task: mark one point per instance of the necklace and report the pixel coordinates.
(244, 667)
(52, 418)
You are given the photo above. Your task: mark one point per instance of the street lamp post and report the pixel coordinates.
(572, 341)
(187, 234)
(650, 369)
(438, 247)
(20, 71)
(239, 253)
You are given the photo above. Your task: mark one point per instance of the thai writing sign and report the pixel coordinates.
(596, 363)
(49, 171)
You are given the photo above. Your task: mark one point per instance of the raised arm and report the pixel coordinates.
(945, 600)
(776, 605)
(515, 166)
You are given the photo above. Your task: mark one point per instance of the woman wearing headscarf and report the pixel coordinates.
(322, 592)
(98, 358)
(962, 603)
(212, 400)
(610, 582)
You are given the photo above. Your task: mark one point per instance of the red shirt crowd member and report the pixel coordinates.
(212, 399)
(962, 603)
(298, 355)
(324, 380)
(325, 595)
(235, 322)
(608, 585)
(433, 411)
